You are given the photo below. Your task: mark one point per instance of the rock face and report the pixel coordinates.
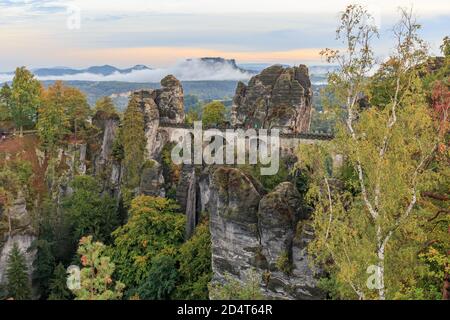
(22, 234)
(170, 100)
(152, 180)
(108, 126)
(278, 97)
(103, 163)
(24, 242)
(165, 105)
(265, 232)
(160, 106)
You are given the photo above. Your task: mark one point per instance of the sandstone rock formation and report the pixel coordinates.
(21, 233)
(160, 106)
(152, 180)
(170, 100)
(278, 97)
(165, 105)
(103, 163)
(265, 232)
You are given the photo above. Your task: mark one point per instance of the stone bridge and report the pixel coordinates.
(288, 141)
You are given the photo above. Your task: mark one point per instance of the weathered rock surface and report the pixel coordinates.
(165, 105)
(265, 232)
(158, 106)
(278, 97)
(170, 100)
(108, 126)
(152, 180)
(103, 163)
(233, 222)
(18, 218)
(24, 242)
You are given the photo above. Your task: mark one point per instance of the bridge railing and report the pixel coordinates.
(293, 135)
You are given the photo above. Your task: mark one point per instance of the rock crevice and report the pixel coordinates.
(264, 232)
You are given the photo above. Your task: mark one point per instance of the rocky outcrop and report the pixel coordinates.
(265, 232)
(170, 100)
(158, 106)
(278, 97)
(152, 180)
(23, 242)
(108, 125)
(19, 231)
(233, 206)
(191, 204)
(165, 105)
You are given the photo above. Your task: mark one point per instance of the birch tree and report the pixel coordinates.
(387, 139)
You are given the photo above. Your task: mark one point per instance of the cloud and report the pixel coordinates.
(23, 8)
(254, 6)
(246, 30)
(189, 70)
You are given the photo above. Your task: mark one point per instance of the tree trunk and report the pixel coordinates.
(21, 131)
(9, 221)
(381, 290)
(380, 253)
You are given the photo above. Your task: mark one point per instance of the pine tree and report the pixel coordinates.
(58, 285)
(43, 265)
(18, 283)
(88, 211)
(96, 275)
(133, 143)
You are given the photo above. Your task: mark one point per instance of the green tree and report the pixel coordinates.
(105, 106)
(154, 227)
(213, 114)
(161, 281)
(371, 232)
(192, 116)
(43, 265)
(25, 98)
(77, 109)
(195, 265)
(15, 180)
(5, 102)
(53, 121)
(445, 47)
(133, 140)
(58, 284)
(235, 290)
(64, 110)
(90, 212)
(18, 284)
(193, 108)
(95, 276)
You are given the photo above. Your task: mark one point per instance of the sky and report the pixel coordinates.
(160, 33)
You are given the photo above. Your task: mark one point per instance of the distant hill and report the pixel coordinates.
(105, 70)
(208, 78)
(119, 90)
